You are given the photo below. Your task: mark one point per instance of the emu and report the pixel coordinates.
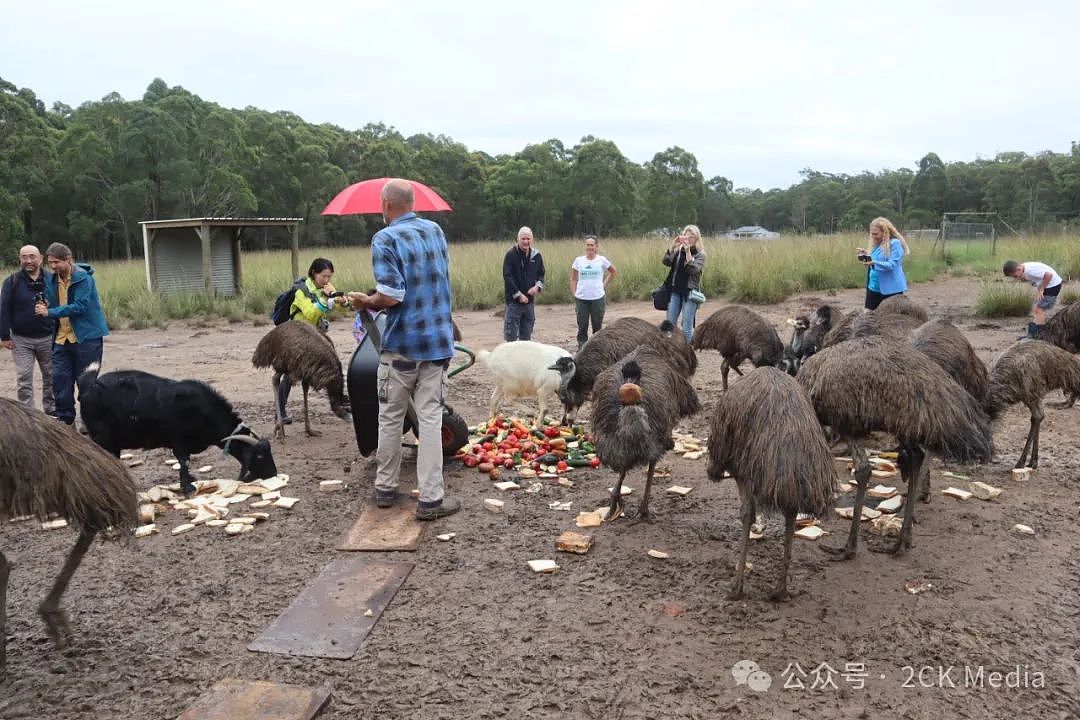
(903, 305)
(764, 432)
(871, 384)
(1063, 328)
(636, 404)
(134, 409)
(739, 334)
(305, 355)
(1026, 372)
(46, 467)
(611, 343)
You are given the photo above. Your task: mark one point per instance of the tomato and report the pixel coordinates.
(487, 446)
(471, 461)
(561, 466)
(477, 448)
(508, 463)
(535, 465)
(551, 432)
(594, 462)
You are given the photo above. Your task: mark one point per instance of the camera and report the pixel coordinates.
(38, 288)
(863, 257)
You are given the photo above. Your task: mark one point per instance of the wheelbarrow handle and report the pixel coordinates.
(465, 365)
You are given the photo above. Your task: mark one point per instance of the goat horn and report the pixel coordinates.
(242, 438)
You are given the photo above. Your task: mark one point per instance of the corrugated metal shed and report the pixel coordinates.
(203, 254)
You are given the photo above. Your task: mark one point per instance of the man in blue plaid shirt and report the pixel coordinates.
(412, 282)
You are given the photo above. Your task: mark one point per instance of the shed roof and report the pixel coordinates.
(223, 222)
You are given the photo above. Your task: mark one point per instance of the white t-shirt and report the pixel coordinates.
(1034, 272)
(590, 283)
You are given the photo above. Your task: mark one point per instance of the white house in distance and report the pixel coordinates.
(752, 231)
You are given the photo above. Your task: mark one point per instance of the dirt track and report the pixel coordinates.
(613, 634)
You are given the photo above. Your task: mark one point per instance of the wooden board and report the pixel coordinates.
(233, 699)
(328, 619)
(384, 529)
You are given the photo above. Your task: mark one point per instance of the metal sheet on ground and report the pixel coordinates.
(328, 619)
(383, 529)
(233, 699)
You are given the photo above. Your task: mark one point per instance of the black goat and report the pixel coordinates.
(134, 409)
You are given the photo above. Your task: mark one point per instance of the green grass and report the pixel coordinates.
(1004, 298)
(745, 271)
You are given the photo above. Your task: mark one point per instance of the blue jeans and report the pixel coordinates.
(518, 321)
(677, 304)
(69, 360)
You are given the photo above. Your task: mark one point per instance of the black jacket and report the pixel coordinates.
(521, 272)
(17, 297)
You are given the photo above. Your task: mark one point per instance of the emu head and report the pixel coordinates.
(339, 401)
(570, 397)
(253, 453)
(810, 331)
(789, 361)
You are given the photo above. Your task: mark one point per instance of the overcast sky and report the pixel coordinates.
(756, 90)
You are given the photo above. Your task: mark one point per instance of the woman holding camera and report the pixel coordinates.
(312, 302)
(884, 263)
(686, 258)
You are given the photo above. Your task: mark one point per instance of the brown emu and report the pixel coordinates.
(1024, 373)
(891, 325)
(1063, 328)
(872, 384)
(942, 342)
(46, 467)
(840, 329)
(764, 432)
(299, 351)
(632, 426)
(903, 305)
(612, 342)
(739, 334)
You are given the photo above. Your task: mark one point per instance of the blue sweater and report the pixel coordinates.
(17, 307)
(889, 271)
(83, 307)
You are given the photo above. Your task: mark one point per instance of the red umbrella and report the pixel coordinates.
(363, 197)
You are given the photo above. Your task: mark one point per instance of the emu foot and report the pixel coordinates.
(736, 593)
(642, 514)
(187, 488)
(56, 623)
(615, 510)
(895, 549)
(313, 433)
(838, 554)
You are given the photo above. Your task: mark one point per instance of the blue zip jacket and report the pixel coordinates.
(83, 307)
(889, 270)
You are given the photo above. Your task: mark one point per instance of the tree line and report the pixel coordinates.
(86, 176)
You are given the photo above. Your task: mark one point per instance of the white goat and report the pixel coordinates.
(522, 369)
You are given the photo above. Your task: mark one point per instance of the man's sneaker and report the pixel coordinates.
(434, 511)
(385, 498)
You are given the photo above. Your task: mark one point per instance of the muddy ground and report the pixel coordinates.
(614, 634)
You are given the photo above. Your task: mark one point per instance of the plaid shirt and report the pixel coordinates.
(412, 265)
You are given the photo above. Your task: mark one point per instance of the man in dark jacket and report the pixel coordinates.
(523, 279)
(72, 300)
(28, 336)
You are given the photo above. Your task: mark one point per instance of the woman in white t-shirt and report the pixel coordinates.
(1047, 284)
(589, 275)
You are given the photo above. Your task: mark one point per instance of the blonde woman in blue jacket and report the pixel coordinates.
(884, 263)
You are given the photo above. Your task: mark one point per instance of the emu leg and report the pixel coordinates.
(862, 480)
(1037, 422)
(307, 420)
(746, 513)
(1033, 431)
(187, 483)
(55, 618)
(615, 508)
(780, 592)
(724, 368)
(4, 570)
(904, 542)
(279, 421)
(643, 508)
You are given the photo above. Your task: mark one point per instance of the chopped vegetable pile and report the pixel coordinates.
(510, 444)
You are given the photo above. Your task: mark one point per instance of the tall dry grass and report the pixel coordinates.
(749, 271)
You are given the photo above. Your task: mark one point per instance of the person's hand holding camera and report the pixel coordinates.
(862, 256)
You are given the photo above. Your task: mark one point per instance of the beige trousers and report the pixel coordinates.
(399, 380)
